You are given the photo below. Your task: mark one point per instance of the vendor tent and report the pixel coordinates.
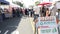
(14, 5)
(45, 3)
(4, 2)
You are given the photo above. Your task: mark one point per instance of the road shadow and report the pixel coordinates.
(9, 25)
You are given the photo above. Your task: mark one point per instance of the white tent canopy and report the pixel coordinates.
(51, 7)
(14, 5)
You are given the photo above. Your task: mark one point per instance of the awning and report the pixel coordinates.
(14, 5)
(44, 3)
(4, 2)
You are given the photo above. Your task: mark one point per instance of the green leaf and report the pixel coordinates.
(18, 3)
(37, 2)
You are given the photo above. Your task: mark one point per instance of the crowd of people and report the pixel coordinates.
(44, 12)
(18, 12)
(24, 12)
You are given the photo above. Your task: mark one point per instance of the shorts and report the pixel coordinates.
(36, 16)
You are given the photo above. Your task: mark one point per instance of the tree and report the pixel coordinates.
(37, 2)
(18, 3)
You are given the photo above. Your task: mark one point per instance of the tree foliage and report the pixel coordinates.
(18, 3)
(37, 2)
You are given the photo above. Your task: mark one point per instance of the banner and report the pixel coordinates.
(47, 25)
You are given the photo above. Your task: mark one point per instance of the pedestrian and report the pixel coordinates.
(43, 11)
(1, 18)
(29, 12)
(3, 14)
(48, 13)
(32, 12)
(13, 12)
(18, 12)
(23, 10)
(36, 13)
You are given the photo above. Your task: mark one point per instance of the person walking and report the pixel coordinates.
(21, 13)
(3, 14)
(13, 12)
(32, 12)
(43, 11)
(23, 10)
(48, 13)
(29, 12)
(18, 12)
(1, 17)
(36, 12)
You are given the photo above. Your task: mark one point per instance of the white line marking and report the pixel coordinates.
(6, 31)
(32, 23)
(0, 31)
(15, 32)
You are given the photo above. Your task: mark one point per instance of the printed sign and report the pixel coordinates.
(47, 25)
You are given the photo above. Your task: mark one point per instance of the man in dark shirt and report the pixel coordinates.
(43, 11)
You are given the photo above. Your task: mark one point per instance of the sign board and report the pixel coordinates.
(47, 25)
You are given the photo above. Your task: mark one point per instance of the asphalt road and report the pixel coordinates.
(16, 25)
